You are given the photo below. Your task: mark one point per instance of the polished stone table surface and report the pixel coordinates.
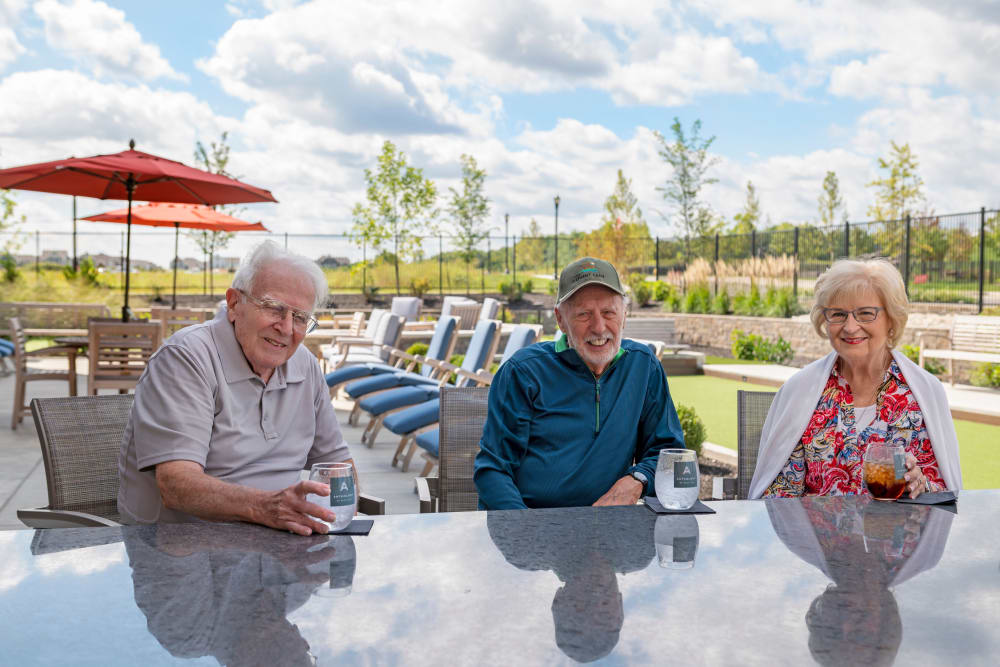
(831, 580)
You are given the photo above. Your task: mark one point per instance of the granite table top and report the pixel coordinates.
(827, 580)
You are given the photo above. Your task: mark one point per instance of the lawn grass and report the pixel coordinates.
(709, 359)
(714, 399)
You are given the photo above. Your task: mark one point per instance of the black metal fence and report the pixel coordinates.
(951, 258)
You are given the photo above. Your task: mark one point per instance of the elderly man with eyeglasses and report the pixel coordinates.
(229, 412)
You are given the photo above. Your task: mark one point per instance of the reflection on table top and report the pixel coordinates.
(841, 580)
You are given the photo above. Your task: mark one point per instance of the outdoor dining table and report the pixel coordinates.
(847, 580)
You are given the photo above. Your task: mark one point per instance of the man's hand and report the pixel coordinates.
(626, 491)
(288, 509)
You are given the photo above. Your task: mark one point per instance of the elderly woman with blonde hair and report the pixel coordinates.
(864, 392)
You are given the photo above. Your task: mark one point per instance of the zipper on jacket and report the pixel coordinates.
(597, 425)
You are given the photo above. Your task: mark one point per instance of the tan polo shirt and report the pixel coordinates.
(199, 400)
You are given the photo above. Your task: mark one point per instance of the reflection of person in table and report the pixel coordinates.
(229, 412)
(865, 547)
(865, 392)
(226, 591)
(579, 421)
(586, 552)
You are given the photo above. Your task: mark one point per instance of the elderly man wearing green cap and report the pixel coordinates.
(581, 420)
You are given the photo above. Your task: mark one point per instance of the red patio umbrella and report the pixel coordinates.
(131, 175)
(191, 216)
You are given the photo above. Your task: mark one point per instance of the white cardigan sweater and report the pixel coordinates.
(795, 402)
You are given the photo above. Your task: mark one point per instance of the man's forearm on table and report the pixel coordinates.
(497, 491)
(199, 494)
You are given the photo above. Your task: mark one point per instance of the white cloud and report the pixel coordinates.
(99, 37)
(10, 47)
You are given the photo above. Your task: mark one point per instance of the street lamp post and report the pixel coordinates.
(555, 274)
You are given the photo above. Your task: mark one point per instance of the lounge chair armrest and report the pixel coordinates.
(480, 377)
(46, 518)
(354, 340)
(371, 505)
(52, 351)
(927, 334)
(427, 488)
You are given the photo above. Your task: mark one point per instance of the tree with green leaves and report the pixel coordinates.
(399, 207)
(689, 158)
(9, 220)
(215, 159)
(831, 201)
(623, 237)
(531, 247)
(746, 220)
(468, 210)
(900, 190)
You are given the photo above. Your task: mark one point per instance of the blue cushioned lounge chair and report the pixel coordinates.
(400, 363)
(479, 354)
(417, 425)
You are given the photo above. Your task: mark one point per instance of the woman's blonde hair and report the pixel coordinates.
(856, 276)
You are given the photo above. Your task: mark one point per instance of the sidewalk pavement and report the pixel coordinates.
(977, 404)
(22, 475)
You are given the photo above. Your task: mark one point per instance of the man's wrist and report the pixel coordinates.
(640, 477)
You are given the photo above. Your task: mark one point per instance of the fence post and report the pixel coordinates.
(513, 253)
(483, 279)
(286, 240)
(441, 266)
(716, 247)
(847, 239)
(37, 254)
(364, 267)
(795, 264)
(753, 242)
(982, 254)
(76, 264)
(906, 258)
(656, 254)
(506, 242)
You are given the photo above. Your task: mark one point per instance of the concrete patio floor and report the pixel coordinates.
(22, 476)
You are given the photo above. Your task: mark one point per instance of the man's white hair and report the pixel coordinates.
(268, 253)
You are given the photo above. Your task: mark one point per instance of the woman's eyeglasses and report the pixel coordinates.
(839, 316)
(278, 311)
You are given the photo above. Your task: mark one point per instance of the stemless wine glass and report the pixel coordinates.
(341, 563)
(343, 498)
(677, 478)
(884, 470)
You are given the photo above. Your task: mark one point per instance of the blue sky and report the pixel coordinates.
(550, 96)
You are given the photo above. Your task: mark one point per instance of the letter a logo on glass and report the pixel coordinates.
(685, 476)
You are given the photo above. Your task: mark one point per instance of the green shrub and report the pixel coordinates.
(419, 286)
(750, 303)
(781, 303)
(10, 271)
(693, 427)
(87, 273)
(672, 304)
(513, 291)
(986, 375)
(415, 349)
(528, 287)
(661, 290)
(932, 366)
(753, 347)
(456, 360)
(720, 304)
(698, 299)
(370, 291)
(641, 291)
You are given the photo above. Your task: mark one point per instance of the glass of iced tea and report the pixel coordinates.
(885, 470)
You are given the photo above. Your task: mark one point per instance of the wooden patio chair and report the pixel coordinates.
(119, 352)
(173, 319)
(751, 411)
(462, 415)
(23, 374)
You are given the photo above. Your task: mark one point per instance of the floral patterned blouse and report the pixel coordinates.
(829, 458)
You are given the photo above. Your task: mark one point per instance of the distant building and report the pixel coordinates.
(225, 263)
(188, 264)
(330, 262)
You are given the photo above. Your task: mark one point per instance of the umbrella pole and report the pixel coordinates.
(130, 185)
(177, 235)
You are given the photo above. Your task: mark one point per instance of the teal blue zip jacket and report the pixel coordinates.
(557, 436)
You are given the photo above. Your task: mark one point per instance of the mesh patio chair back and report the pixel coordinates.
(174, 319)
(751, 411)
(462, 415)
(119, 352)
(80, 439)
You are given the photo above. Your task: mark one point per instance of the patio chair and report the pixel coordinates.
(467, 313)
(23, 374)
(173, 319)
(329, 350)
(489, 309)
(426, 437)
(407, 307)
(751, 411)
(463, 412)
(118, 353)
(80, 439)
(383, 404)
(370, 350)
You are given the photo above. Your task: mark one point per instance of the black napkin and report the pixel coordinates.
(698, 507)
(355, 527)
(935, 498)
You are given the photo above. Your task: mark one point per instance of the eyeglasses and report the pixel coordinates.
(278, 311)
(839, 316)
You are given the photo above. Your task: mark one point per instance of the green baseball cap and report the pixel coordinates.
(587, 271)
